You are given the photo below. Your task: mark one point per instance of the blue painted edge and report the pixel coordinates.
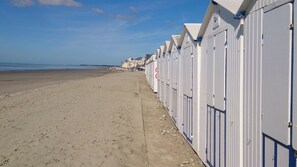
(173, 119)
(292, 158)
(275, 154)
(263, 150)
(214, 138)
(239, 15)
(187, 138)
(225, 144)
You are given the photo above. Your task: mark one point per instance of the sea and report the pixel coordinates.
(26, 67)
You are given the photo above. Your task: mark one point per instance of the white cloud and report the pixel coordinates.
(70, 3)
(133, 9)
(22, 3)
(97, 11)
(125, 17)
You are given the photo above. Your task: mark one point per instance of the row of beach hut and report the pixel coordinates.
(229, 83)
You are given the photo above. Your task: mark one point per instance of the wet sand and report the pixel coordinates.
(16, 81)
(108, 121)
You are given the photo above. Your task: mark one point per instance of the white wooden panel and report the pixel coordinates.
(269, 153)
(217, 138)
(171, 77)
(276, 72)
(174, 104)
(188, 71)
(219, 80)
(222, 146)
(155, 76)
(210, 62)
(282, 156)
(175, 71)
(168, 68)
(184, 69)
(158, 76)
(180, 92)
(191, 71)
(210, 136)
(176, 68)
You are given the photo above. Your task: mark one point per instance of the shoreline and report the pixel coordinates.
(13, 82)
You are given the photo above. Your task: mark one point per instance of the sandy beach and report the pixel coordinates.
(17, 81)
(96, 119)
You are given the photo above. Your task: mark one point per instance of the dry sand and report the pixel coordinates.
(108, 121)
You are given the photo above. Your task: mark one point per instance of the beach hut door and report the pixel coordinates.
(216, 99)
(188, 93)
(276, 82)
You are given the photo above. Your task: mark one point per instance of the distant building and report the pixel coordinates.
(131, 63)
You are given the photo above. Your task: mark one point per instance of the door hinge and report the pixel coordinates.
(290, 125)
(291, 26)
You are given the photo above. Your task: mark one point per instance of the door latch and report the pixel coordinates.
(291, 26)
(290, 125)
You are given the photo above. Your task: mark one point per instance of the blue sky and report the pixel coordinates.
(90, 31)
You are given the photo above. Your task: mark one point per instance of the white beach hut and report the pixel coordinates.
(221, 111)
(174, 75)
(151, 72)
(155, 73)
(158, 73)
(235, 81)
(189, 82)
(167, 57)
(269, 92)
(162, 74)
(148, 71)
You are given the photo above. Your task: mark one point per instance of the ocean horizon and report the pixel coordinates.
(28, 66)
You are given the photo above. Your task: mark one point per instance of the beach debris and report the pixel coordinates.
(162, 118)
(3, 161)
(191, 159)
(185, 162)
